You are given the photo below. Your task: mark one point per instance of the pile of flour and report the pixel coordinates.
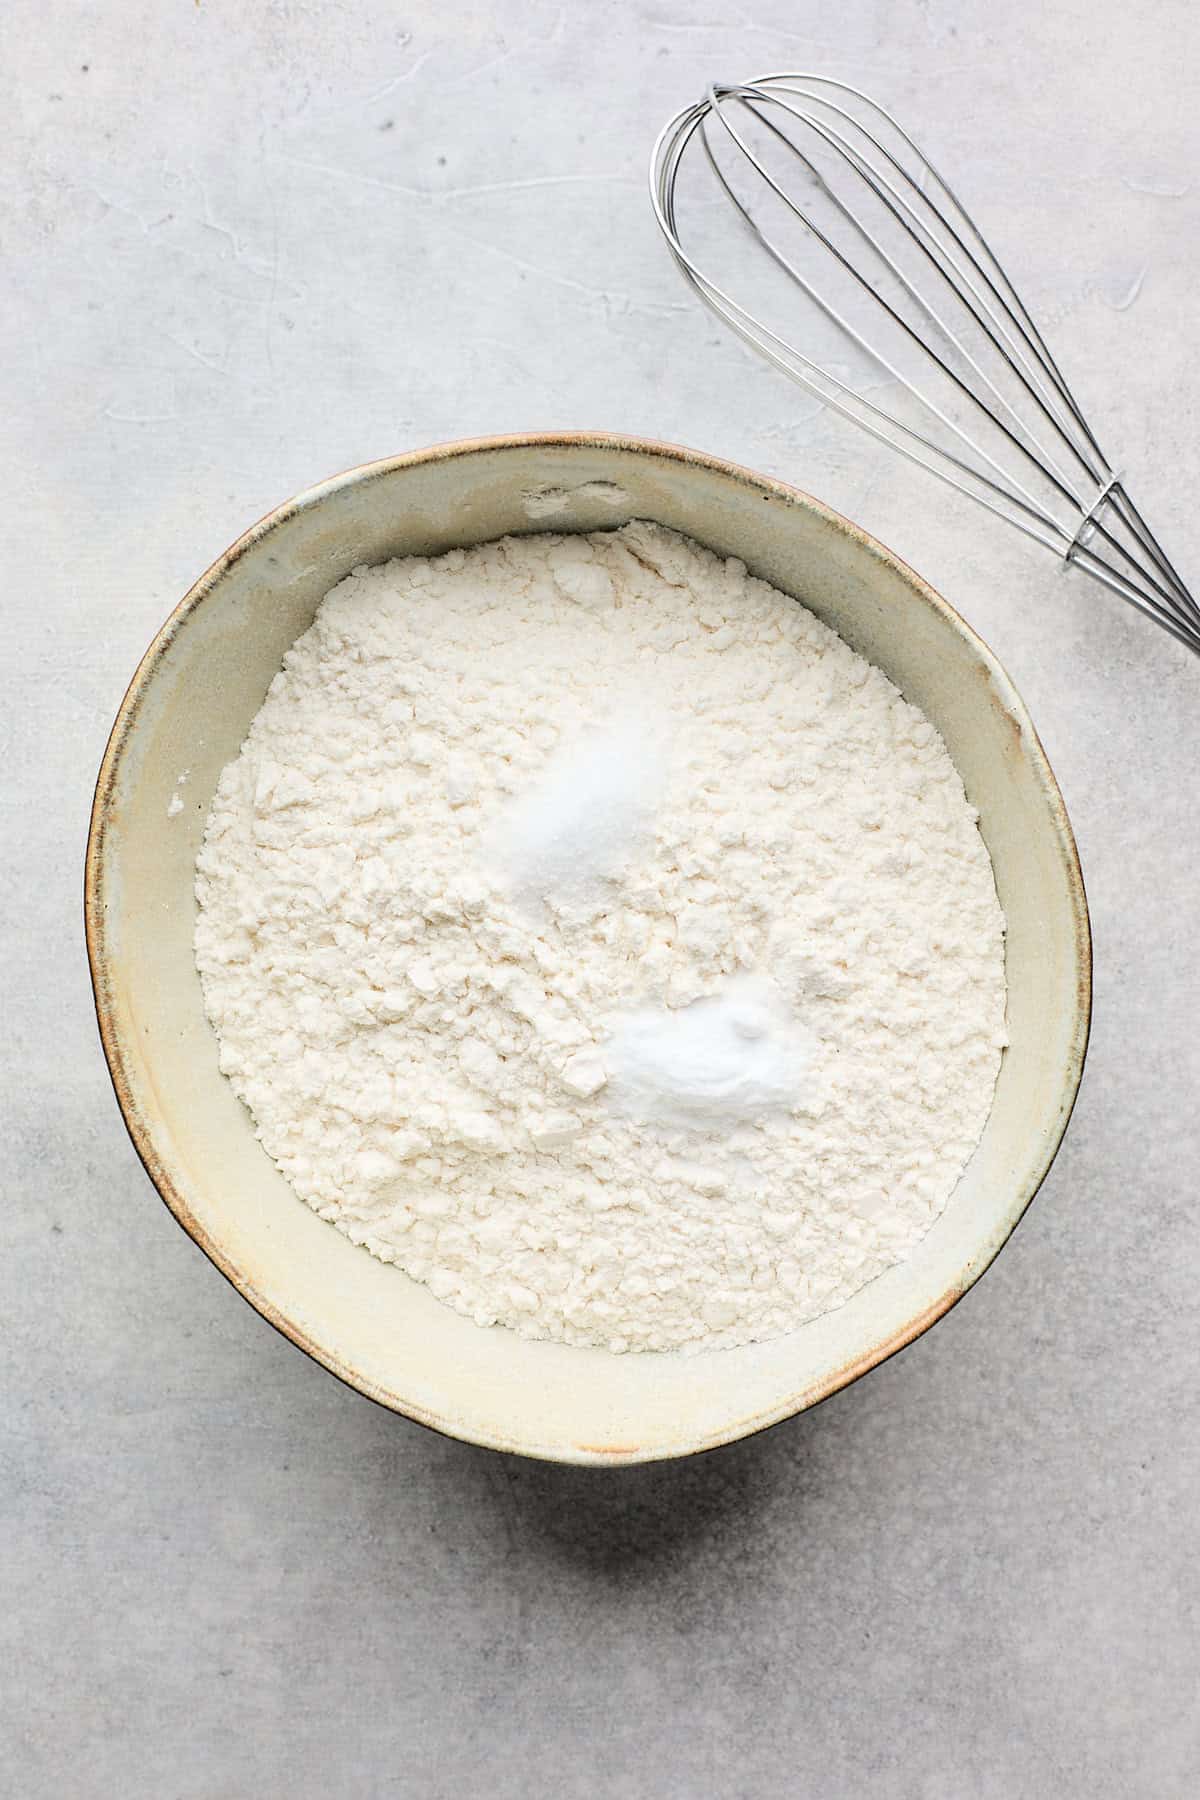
(592, 934)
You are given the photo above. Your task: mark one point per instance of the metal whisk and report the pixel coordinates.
(848, 210)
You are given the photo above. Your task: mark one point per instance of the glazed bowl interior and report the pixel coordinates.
(188, 710)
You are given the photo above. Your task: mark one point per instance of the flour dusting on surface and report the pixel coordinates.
(593, 934)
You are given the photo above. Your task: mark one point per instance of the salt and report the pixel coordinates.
(588, 816)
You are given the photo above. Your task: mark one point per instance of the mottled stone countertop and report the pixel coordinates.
(247, 246)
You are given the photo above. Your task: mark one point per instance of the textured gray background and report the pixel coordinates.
(253, 243)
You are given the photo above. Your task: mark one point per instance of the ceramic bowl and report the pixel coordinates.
(188, 708)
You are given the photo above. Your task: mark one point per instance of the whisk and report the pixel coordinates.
(847, 208)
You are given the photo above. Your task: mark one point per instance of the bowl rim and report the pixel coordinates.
(119, 1065)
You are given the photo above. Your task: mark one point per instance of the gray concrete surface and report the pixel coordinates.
(246, 246)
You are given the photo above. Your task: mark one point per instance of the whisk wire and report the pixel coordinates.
(880, 423)
(946, 269)
(856, 274)
(1007, 450)
(916, 229)
(997, 280)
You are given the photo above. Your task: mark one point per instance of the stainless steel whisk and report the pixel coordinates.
(846, 207)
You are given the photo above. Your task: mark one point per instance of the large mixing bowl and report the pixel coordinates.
(189, 706)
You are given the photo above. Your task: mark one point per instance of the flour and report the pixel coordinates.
(592, 934)
(175, 803)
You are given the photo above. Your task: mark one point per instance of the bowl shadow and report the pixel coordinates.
(607, 1524)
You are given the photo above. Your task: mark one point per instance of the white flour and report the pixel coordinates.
(590, 932)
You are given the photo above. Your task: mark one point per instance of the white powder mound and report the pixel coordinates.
(581, 820)
(714, 1062)
(592, 934)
